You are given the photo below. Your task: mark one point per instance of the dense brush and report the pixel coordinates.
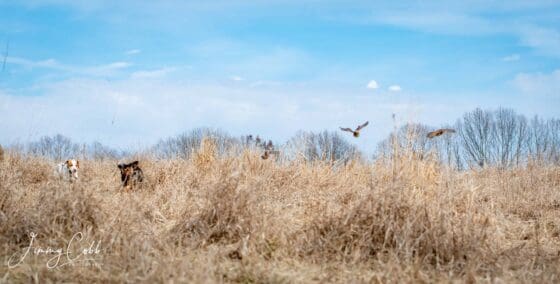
(238, 218)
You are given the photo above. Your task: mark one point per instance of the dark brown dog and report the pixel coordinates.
(131, 174)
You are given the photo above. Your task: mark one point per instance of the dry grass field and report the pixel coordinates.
(243, 219)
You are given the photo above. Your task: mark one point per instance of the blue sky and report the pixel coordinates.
(127, 73)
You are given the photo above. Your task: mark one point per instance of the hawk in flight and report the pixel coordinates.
(439, 132)
(356, 132)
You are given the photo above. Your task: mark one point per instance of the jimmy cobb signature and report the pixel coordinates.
(77, 252)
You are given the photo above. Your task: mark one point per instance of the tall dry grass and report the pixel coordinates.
(402, 218)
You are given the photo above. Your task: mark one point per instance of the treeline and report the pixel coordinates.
(330, 146)
(60, 147)
(326, 145)
(500, 138)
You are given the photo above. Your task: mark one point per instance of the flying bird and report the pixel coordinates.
(356, 132)
(439, 132)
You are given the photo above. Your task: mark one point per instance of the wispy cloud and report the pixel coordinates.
(155, 73)
(395, 88)
(544, 40)
(53, 64)
(254, 60)
(473, 18)
(102, 70)
(438, 21)
(372, 85)
(266, 83)
(539, 84)
(236, 78)
(132, 51)
(512, 57)
(47, 63)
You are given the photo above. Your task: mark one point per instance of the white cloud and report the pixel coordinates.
(102, 70)
(512, 57)
(539, 84)
(544, 40)
(53, 64)
(441, 22)
(266, 83)
(116, 65)
(395, 88)
(132, 51)
(156, 73)
(533, 23)
(372, 85)
(48, 63)
(236, 78)
(233, 57)
(279, 61)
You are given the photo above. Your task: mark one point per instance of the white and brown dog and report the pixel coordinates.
(68, 170)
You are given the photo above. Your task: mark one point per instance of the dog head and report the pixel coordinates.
(127, 171)
(72, 166)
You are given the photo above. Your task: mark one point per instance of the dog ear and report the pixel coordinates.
(68, 163)
(134, 164)
(77, 164)
(121, 166)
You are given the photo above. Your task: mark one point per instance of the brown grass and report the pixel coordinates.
(244, 219)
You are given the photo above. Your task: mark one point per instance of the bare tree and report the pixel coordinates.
(522, 139)
(57, 147)
(538, 139)
(484, 138)
(476, 131)
(410, 137)
(183, 145)
(98, 151)
(505, 131)
(323, 146)
(450, 150)
(554, 136)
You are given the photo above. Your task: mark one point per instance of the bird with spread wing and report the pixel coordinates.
(439, 132)
(356, 132)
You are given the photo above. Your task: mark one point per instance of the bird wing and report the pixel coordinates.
(362, 126)
(440, 132)
(347, 129)
(450, 130)
(434, 133)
